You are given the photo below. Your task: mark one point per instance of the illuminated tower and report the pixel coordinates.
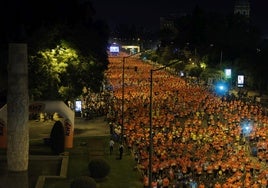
(242, 7)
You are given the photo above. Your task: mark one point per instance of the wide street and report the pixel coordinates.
(198, 135)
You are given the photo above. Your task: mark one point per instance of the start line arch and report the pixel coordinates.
(68, 117)
(131, 47)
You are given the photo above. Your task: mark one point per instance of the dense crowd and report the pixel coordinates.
(199, 139)
(94, 105)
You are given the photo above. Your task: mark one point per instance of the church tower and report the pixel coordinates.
(242, 7)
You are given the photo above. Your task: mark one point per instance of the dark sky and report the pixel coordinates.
(148, 12)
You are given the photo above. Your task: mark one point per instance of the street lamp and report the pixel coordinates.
(123, 98)
(123, 91)
(151, 118)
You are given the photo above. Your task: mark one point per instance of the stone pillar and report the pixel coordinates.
(17, 109)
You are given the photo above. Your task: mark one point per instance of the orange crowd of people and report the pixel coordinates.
(197, 135)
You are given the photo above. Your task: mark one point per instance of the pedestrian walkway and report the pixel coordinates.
(97, 126)
(95, 133)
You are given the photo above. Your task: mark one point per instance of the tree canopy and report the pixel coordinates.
(66, 46)
(219, 41)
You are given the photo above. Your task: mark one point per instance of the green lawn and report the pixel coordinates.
(122, 174)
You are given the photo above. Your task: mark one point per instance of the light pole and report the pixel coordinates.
(123, 98)
(151, 119)
(123, 92)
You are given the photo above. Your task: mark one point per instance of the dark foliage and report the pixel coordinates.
(72, 21)
(98, 168)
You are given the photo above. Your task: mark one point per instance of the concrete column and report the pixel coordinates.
(17, 109)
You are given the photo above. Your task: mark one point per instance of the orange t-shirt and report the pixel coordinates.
(165, 182)
(145, 181)
(217, 185)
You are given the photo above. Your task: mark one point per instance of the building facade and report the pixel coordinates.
(242, 7)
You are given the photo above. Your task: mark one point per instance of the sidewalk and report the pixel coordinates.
(91, 139)
(94, 127)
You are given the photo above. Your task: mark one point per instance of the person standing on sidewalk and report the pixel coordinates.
(121, 150)
(111, 143)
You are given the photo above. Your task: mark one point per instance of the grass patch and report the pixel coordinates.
(122, 172)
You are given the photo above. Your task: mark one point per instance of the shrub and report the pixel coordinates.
(98, 168)
(83, 182)
(57, 138)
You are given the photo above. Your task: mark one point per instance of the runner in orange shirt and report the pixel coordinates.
(145, 181)
(165, 182)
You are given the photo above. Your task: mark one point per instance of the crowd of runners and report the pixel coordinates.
(199, 139)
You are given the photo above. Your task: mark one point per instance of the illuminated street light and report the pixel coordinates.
(151, 118)
(246, 126)
(123, 90)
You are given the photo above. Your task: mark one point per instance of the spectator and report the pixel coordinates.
(165, 182)
(121, 150)
(111, 143)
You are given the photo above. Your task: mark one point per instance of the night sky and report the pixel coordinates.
(147, 12)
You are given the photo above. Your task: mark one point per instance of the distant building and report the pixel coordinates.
(242, 7)
(167, 23)
(169, 28)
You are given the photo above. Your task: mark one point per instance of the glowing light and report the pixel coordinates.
(221, 88)
(246, 127)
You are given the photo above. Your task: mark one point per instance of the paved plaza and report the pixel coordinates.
(38, 130)
(94, 127)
